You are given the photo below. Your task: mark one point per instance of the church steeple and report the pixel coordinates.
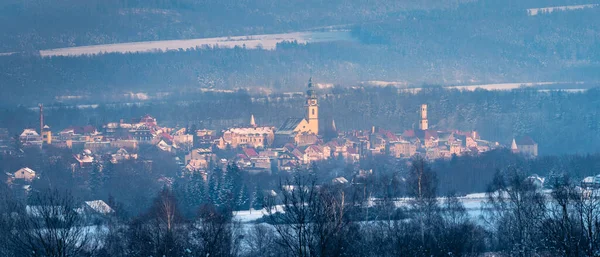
(252, 122)
(312, 106)
(423, 124)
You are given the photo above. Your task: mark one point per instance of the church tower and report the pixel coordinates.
(312, 106)
(423, 124)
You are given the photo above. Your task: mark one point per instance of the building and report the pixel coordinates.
(308, 125)
(424, 123)
(257, 137)
(402, 149)
(46, 135)
(29, 137)
(525, 146)
(26, 174)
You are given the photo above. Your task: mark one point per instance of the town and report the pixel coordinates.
(254, 148)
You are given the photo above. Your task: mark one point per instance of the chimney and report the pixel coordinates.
(41, 118)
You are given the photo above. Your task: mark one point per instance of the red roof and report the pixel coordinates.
(166, 136)
(409, 133)
(250, 152)
(351, 150)
(389, 135)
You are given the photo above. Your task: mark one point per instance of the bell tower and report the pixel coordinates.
(423, 124)
(312, 107)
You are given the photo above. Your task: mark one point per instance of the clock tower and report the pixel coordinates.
(312, 106)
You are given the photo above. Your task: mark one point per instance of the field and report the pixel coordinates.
(267, 41)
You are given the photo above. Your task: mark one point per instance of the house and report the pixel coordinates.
(26, 174)
(536, 180)
(197, 165)
(85, 159)
(122, 155)
(97, 206)
(592, 182)
(29, 137)
(526, 146)
(339, 181)
(166, 147)
(257, 137)
(95, 212)
(402, 149)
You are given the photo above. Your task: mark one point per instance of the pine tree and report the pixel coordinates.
(96, 181)
(257, 198)
(242, 199)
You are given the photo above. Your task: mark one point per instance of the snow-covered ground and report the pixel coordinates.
(536, 11)
(473, 204)
(503, 86)
(267, 42)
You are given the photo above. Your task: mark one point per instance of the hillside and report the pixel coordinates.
(462, 43)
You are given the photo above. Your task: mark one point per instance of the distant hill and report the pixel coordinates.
(39, 25)
(407, 42)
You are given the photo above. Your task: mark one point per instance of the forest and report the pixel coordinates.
(473, 43)
(303, 216)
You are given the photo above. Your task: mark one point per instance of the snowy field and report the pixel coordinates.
(403, 88)
(473, 204)
(267, 42)
(503, 86)
(545, 10)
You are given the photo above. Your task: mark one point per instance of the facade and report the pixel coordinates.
(257, 137)
(29, 137)
(526, 146)
(424, 123)
(47, 135)
(26, 174)
(402, 149)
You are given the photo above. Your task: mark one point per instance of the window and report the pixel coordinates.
(313, 111)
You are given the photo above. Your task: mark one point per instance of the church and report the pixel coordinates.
(301, 131)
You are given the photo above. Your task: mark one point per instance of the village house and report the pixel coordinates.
(525, 146)
(25, 174)
(122, 155)
(30, 137)
(257, 137)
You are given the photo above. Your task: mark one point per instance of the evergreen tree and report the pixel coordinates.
(96, 181)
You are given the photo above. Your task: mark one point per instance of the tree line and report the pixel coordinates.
(306, 218)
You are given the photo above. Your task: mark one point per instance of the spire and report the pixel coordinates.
(333, 125)
(311, 91)
(252, 122)
(513, 146)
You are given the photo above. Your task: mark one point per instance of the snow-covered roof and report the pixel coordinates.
(340, 180)
(29, 132)
(99, 206)
(26, 169)
(251, 130)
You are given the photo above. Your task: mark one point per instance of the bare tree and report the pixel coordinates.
(588, 213)
(50, 226)
(516, 210)
(312, 220)
(215, 233)
(161, 231)
(292, 220)
(260, 240)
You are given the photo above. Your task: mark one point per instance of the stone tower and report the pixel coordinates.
(312, 107)
(423, 124)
